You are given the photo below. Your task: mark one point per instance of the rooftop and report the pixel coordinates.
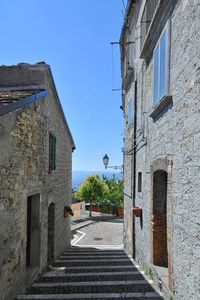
(12, 100)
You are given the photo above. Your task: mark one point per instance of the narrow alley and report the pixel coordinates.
(96, 267)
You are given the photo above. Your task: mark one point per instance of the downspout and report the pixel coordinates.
(134, 161)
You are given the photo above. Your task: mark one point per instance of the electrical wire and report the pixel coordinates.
(113, 68)
(124, 5)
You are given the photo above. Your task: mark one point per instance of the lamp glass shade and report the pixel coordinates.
(105, 160)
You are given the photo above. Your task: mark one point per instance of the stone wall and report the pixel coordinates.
(173, 136)
(128, 176)
(21, 166)
(24, 171)
(59, 182)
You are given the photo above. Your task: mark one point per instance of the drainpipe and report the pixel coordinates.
(134, 160)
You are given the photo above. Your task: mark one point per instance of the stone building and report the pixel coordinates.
(160, 63)
(35, 175)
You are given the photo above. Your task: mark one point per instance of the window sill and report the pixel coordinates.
(52, 171)
(160, 106)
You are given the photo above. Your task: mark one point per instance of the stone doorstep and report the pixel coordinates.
(89, 283)
(147, 295)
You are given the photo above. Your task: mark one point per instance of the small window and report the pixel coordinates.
(161, 66)
(139, 182)
(52, 152)
(130, 112)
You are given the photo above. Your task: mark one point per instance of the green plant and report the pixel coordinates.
(67, 209)
(115, 192)
(149, 273)
(92, 189)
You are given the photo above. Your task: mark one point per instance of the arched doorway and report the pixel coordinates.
(159, 219)
(51, 231)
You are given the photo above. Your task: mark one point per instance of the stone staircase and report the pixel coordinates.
(89, 273)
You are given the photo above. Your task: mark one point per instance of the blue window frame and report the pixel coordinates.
(161, 66)
(130, 112)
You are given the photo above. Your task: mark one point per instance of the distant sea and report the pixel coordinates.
(79, 176)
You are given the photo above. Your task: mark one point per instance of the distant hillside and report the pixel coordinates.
(79, 176)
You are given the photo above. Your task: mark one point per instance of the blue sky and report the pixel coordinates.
(74, 38)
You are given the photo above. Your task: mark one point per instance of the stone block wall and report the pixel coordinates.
(128, 176)
(21, 167)
(172, 136)
(24, 172)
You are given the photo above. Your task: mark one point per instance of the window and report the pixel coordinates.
(161, 66)
(147, 16)
(52, 152)
(130, 112)
(139, 182)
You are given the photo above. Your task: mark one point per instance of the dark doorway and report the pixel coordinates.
(33, 235)
(51, 231)
(159, 220)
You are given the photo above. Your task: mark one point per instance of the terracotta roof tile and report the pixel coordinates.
(7, 97)
(12, 100)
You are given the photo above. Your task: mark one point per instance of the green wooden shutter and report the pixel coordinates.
(52, 152)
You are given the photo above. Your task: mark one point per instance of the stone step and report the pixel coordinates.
(93, 276)
(92, 262)
(83, 274)
(93, 250)
(96, 296)
(66, 257)
(86, 269)
(121, 286)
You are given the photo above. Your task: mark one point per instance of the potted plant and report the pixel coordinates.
(120, 211)
(137, 211)
(68, 211)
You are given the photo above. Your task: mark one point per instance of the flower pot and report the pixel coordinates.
(66, 214)
(68, 211)
(120, 212)
(137, 211)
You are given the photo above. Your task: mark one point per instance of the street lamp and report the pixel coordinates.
(105, 162)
